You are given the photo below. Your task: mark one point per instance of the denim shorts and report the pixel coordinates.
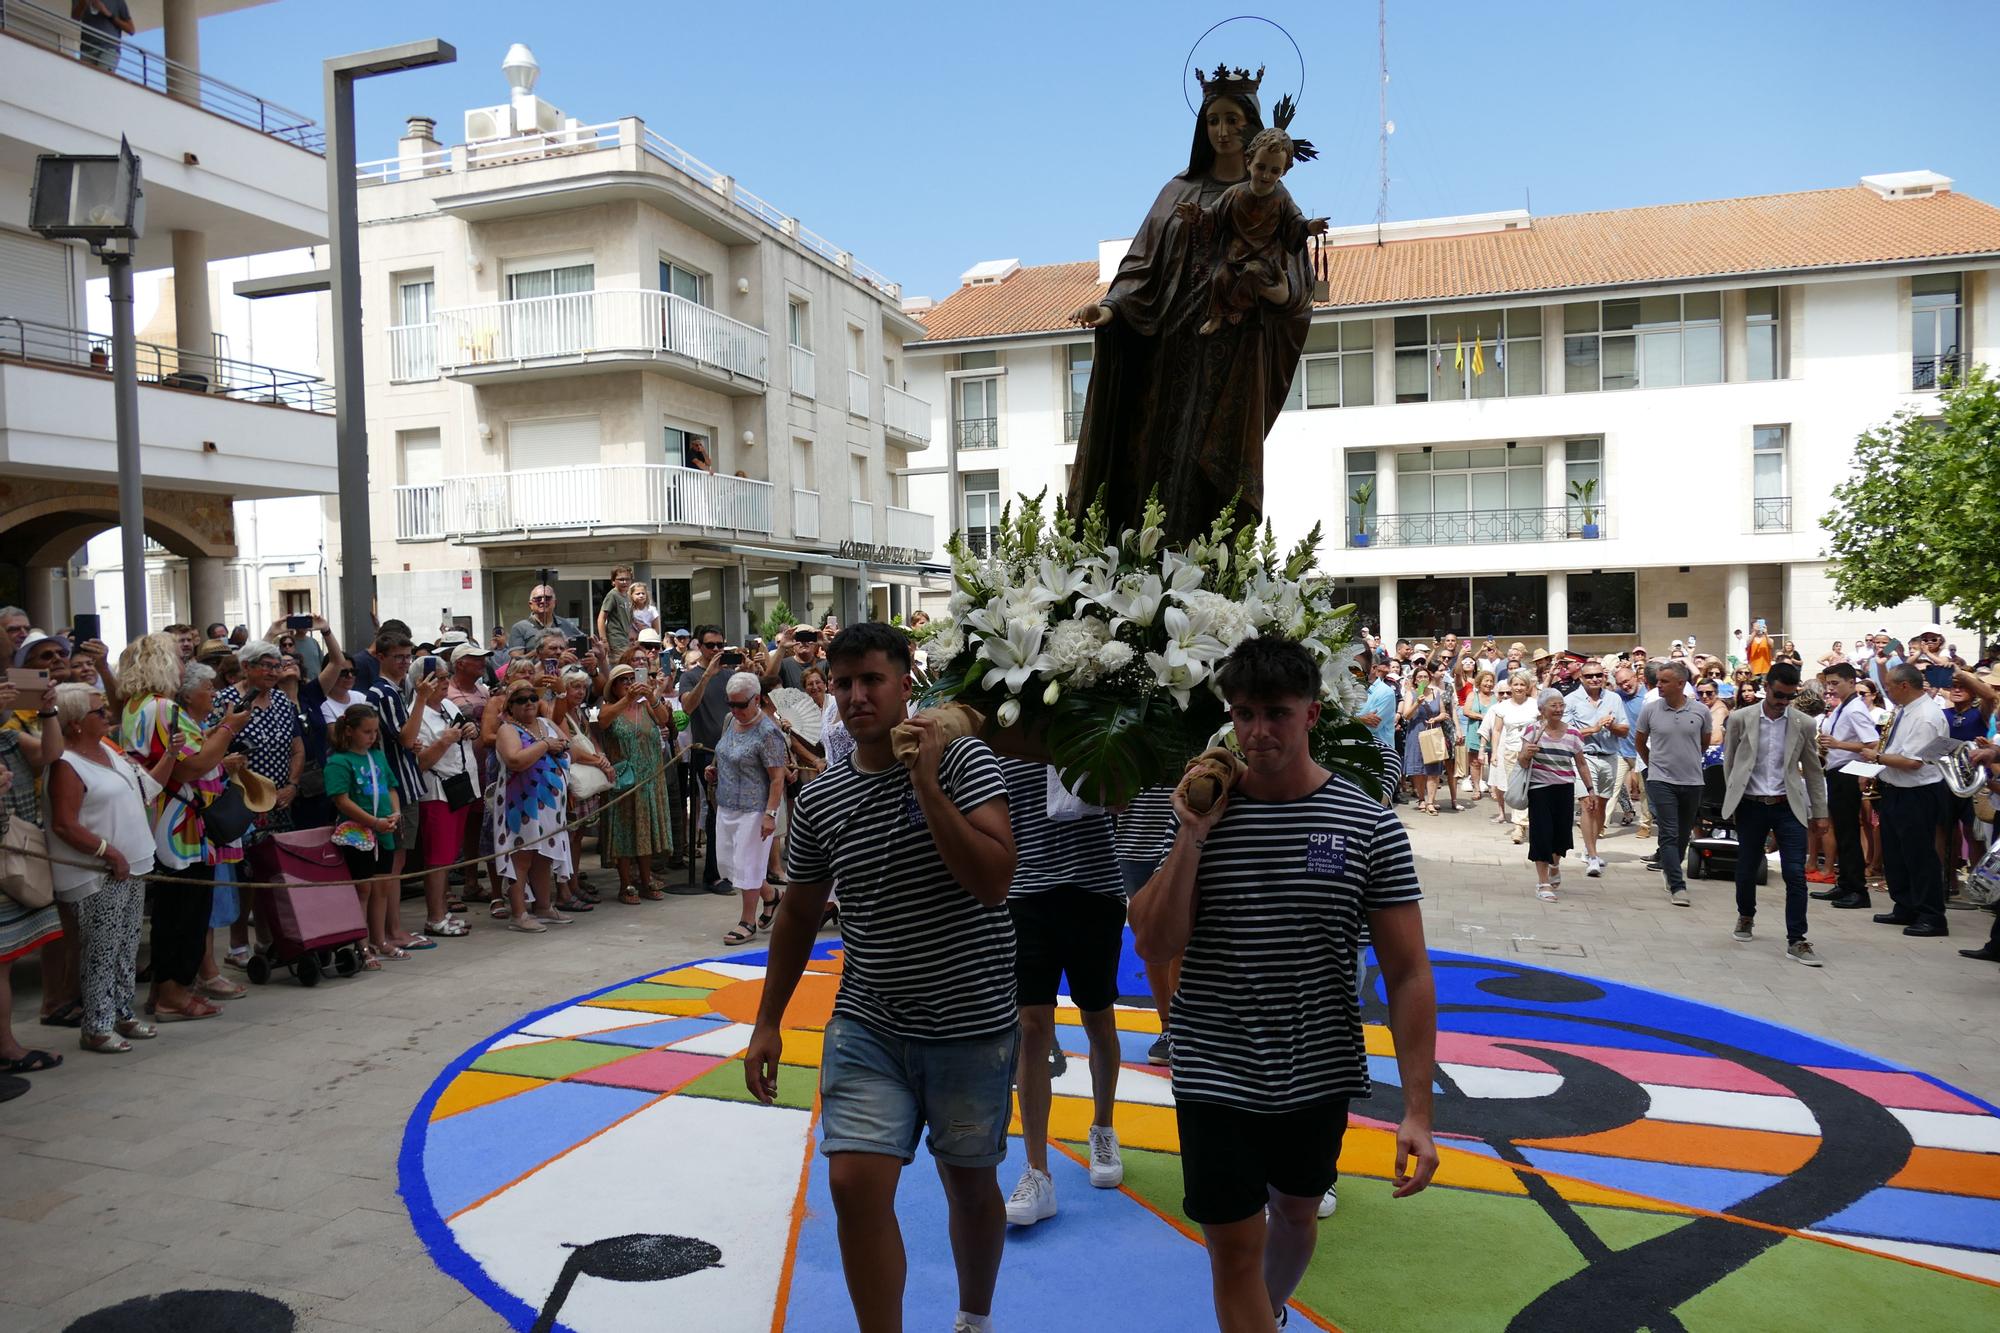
(878, 1093)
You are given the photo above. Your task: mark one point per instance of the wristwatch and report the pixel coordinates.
(770, 814)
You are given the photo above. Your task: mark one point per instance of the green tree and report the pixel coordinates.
(1920, 517)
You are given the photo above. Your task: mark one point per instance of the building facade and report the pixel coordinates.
(1588, 431)
(227, 174)
(585, 347)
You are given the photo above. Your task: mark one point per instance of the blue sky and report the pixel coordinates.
(926, 137)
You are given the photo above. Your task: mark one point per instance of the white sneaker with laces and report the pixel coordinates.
(1034, 1199)
(1329, 1201)
(1593, 866)
(1107, 1168)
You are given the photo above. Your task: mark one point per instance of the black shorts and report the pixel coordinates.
(1231, 1158)
(1068, 930)
(370, 864)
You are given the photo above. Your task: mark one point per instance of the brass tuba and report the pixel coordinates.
(1962, 772)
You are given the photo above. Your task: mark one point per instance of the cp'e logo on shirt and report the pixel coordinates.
(1326, 853)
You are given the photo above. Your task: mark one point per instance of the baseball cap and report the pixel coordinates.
(464, 650)
(680, 634)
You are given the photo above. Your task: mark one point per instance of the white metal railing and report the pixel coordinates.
(805, 512)
(857, 394)
(413, 352)
(420, 513)
(488, 153)
(585, 323)
(802, 372)
(906, 414)
(164, 367)
(909, 528)
(44, 27)
(619, 495)
(861, 520)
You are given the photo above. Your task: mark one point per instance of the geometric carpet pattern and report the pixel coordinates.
(1611, 1158)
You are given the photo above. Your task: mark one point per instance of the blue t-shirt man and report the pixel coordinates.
(1382, 703)
(1628, 748)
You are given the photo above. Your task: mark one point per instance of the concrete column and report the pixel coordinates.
(43, 597)
(180, 21)
(1386, 596)
(1385, 486)
(194, 325)
(1558, 610)
(1736, 604)
(208, 589)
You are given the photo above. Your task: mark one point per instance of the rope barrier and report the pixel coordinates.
(153, 877)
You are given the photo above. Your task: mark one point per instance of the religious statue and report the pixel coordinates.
(1180, 400)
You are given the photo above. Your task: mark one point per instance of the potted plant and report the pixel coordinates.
(1362, 495)
(1585, 494)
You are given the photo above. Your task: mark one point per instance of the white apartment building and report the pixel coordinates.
(563, 318)
(227, 174)
(1707, 366)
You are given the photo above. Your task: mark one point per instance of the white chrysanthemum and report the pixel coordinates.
(1114, 656)
(947, 643)
(1072, 647)
(1217, 616)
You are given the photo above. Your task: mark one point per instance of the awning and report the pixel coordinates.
(912, 573)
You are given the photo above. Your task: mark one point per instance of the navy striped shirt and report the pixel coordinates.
(925, 960)
(1143, 823)
(1266, 1017)
(1050, 853)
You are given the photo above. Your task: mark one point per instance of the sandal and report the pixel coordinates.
(769, 911)
(136, 1029)
(574, 905)
(419, 944)
(393, 953)
(104, 1043)
(450, 928)
(653, 895)
(1546, 893)
(630, 897)
(65, 1016)
(34, 1062)
(741, 933)
(222, 988)
(498, 909)
(370, 962)
(195, 1008)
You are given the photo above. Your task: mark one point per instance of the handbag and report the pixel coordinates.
(227, 816)
(1517, 787)
(24, 866)
(1431, 745)
(586, 781)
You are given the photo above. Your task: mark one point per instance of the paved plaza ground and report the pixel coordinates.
(259, 1150)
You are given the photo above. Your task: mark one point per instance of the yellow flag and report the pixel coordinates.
(1458, 354)
(1478, 359)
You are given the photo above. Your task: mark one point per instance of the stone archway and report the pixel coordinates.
(44, 521)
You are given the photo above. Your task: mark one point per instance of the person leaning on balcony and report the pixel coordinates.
(105, 25)
(541, 619)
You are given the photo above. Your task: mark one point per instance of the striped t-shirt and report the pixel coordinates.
(1142, 824)
(925, 960)
(1266, 1017)
(1055, 854)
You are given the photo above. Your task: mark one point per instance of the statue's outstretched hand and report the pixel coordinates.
(1093, 316)
(1316, 227)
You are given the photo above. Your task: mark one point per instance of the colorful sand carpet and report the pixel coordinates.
(1612, 1158)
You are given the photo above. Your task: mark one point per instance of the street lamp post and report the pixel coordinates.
(96, 198)
(350, 423)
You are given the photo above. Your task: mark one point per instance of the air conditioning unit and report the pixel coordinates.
(490, 122)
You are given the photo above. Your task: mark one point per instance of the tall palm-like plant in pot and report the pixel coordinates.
(1362, 495)
(1584, 492)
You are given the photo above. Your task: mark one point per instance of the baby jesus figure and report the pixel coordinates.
(1260, 226)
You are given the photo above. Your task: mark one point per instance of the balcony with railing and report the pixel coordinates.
(805, 513)
(861, 520)
(626, 497)
(911, 530)
(858, 394)
(977, 432)
(1072, 427)
(1771, 513)
(36, 343)
(802, 371)
(906, 415)
(42, 26)
(603, 330)
(1935, 372)
(1477, 527)
(420, 512)
(413, 353)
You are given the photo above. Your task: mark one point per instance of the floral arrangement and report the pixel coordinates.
(1100, 655)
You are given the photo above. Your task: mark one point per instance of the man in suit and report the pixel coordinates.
(1772, 785)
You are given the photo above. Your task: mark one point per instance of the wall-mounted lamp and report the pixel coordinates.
(743, 286)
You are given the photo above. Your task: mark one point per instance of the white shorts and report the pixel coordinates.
(742, 849)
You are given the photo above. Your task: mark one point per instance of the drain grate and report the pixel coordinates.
(1547, 948)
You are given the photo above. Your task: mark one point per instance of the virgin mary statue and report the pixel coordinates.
(1169, 407)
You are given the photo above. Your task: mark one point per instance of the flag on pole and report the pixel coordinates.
(1500, 355)
(1437, 358)
(1478, 358)
(1458, 355)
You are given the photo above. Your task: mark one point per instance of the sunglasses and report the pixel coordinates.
(742, 703)
(100, 711)
(1705, 694)
(541, 599)
(517, 699)
(1593, 675)
(343, 673)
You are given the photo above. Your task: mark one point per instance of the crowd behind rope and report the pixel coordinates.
(538, 776)
(1674, 746)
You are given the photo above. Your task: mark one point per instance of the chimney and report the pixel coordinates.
(419, 141)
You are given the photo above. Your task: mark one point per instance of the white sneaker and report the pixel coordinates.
(1107, 1168)
(1593, 866)
(1329, 1201)
(1034, 1199)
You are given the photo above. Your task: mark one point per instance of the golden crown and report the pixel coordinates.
(1239, 82)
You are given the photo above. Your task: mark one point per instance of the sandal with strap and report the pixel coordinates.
(630, 897)
(769, 911)
(32, 1062)
(652, 895)
(69, 1015)
(741, 933)
(450, 928)
(136, 1029)
(104, 1043)
(1545, 893)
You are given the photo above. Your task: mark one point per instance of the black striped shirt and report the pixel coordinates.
(1143, 823)
(925, 960)
(1266, 1017)
(1051, 853)
(388, 700)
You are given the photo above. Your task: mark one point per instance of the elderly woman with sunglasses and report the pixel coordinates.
(749, 778)
(1708, 695)
(534, 806)
(97, 806)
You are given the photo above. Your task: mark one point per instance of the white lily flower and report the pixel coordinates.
(1179, 573)
(1052, 693)
(1149, 542)
(1059, 582)
(1136, 600)
(1017, 653)
(1008, 713)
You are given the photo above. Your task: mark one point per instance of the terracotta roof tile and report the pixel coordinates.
(1719, 238)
